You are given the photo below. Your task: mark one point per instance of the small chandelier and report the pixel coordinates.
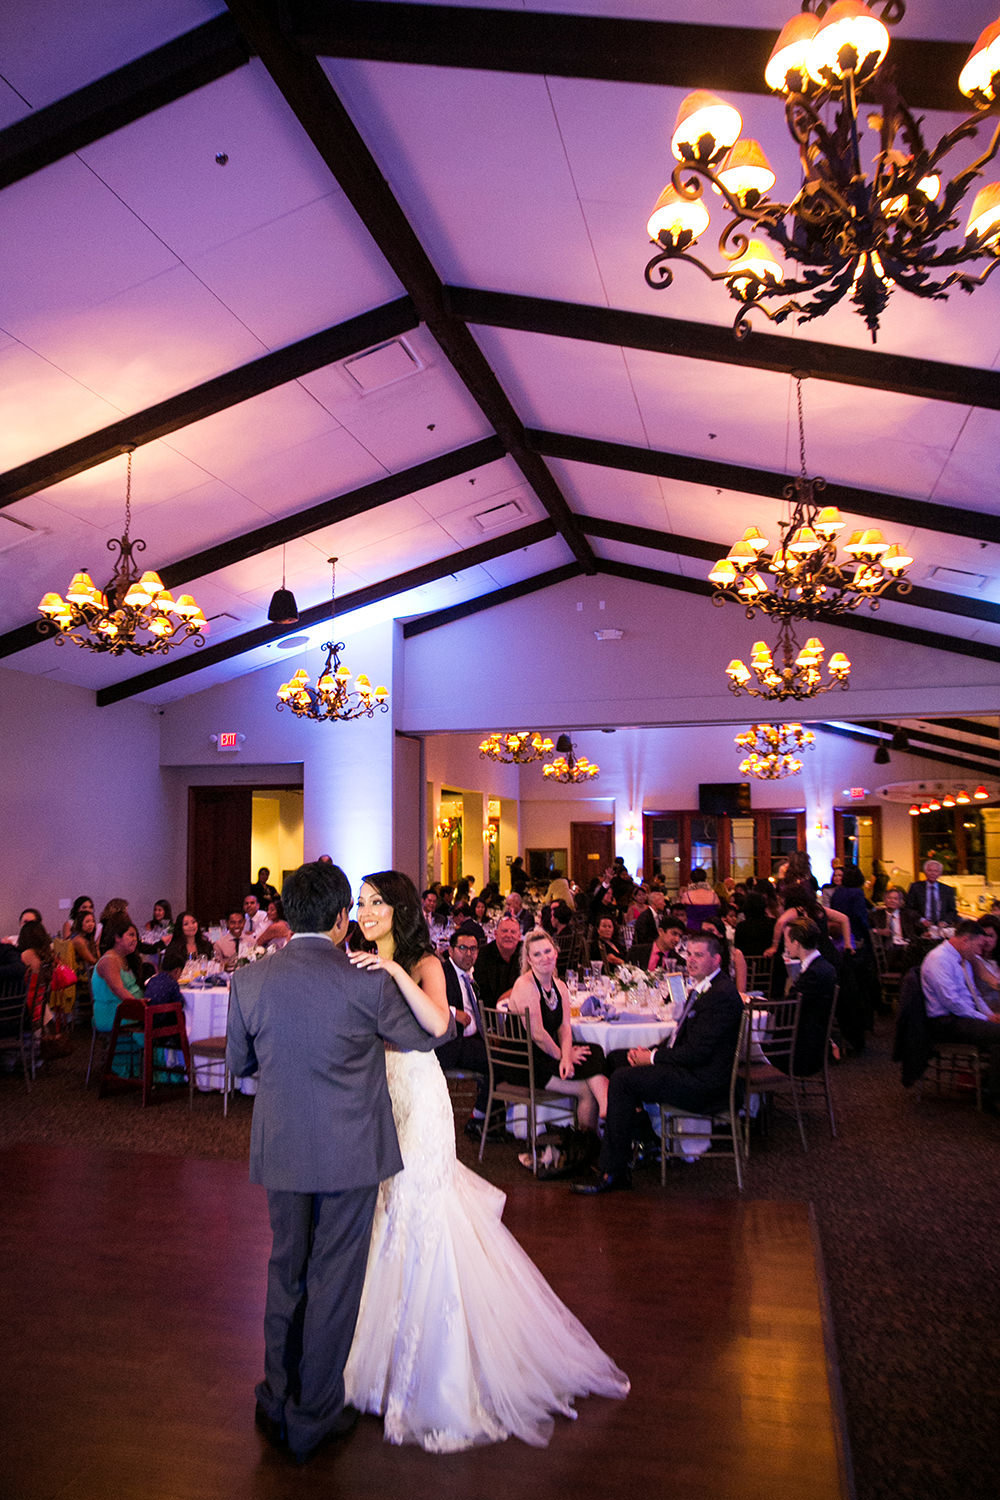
(772, 750)
(518, 747)
(448, 830)
(808, 580)
(332, 698)
(133, 613)
(567, 767)
(800, 674)
(855, 228)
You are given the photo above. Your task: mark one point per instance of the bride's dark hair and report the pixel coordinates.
(410, 937)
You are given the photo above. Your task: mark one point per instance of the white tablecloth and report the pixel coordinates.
(205, 1014)
(614, 1036)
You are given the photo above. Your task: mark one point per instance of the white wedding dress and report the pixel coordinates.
(460, 1340)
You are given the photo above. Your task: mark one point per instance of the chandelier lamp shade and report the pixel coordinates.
(133, 612)
(790, 672)
(807, 578)
(520, 747)
(283, 609)
(870, 214)
(332, 698)
(772, 750)
(568, 768)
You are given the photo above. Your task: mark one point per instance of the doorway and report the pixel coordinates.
(591, 851)
(227, 827)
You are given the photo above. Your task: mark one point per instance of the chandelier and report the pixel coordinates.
(808, 580)
(959, 798)
(857, 227)
(518, 748)
(332, 697)
(132, 613)
(567, 767)
(771, 750)
(799, 675)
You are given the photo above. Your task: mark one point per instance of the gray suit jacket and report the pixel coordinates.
(314, 1026)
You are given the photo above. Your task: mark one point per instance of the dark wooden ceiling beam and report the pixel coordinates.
(927, 379)
(901, 510)
(615, 48)
(928, 737)
(250, 640)
(960, 762)
(686, 546)
(909, 634)
(137, 89)
(302, 523)
(311, 96)
(212, 396)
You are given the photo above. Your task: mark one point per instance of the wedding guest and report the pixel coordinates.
(262, 889)
(664, 951)
(932, 900)
(117, 977)
(81, 904)
(83, 936)
(956, 1012)
(985, 965)
(499, 963)
(160, 926)
(277, 932)
(755, 932)
(254, 920)
(227, 949)
(38, 957)
(604, 946)
(466, 1050)
(561, 1065)
(188, 940)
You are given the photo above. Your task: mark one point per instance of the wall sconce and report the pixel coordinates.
(631, 830)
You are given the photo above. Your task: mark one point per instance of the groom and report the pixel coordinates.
(322, 1140)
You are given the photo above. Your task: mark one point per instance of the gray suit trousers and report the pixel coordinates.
(314, 1282)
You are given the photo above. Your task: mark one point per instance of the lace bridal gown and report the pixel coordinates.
(460, 1340)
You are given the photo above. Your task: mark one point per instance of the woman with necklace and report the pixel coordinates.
(561, 1065)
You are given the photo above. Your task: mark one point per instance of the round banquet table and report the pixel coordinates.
(206, 1009)
(640, 1030)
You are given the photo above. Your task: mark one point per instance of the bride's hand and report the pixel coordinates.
(372, 961)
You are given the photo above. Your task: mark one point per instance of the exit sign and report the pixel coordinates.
(228, 739)
(858, 793)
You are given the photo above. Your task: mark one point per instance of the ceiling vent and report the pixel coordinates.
(957, 579)
(504, 513)
(609, 634)
(384, 365)
(13, 533)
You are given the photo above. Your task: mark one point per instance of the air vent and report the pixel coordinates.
(384, 365)
(503, 514)
(956, 579)
(13, 533)
(609, 634)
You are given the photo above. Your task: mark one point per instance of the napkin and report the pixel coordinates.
(634, 1017)
(591, 1006)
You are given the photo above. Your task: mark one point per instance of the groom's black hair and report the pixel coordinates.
(314, 897)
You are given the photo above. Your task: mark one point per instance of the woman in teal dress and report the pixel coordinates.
(117, 977)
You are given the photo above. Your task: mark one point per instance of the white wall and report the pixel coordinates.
(83, 804)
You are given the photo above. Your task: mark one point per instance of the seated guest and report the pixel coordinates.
(515, 908)
(559, 921)
(158, 930)
(756, 930)
(39, 959)
(429, 902)
(83, 936)
(648, 921)
(956, 1012)
(499, 963)
(930, 899)
(480, 911)
(466, 1049)
(81, 904)
(604, 946)
(897, 926)
(262, 889)
(814, 984)
(227, 950)
(116, 904)
(699, 899)
(190, 940)
(164, 987)
(638, 903)
(985, 965)
(732, 960)
(117, 977)
(601, 901)
(277, 932)
(560, 1064)
(690, 1072)
(254, 920)
(663, 953)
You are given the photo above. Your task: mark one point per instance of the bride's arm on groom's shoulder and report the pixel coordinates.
(424, 991)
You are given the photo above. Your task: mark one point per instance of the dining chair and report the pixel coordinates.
(958, 1066)
(889, 980)
(511, 1063)
(159, 1026)
(208, 1053)
(767, 1065)
(15, 1034)
(759, 970)
(724, 1134)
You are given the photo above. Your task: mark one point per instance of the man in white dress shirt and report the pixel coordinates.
(956, 1012)
(254, 920)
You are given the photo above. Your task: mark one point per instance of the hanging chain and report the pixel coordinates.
(128, 495)
(802, 428)
(333, 586)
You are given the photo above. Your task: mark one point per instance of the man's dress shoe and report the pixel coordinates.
(608, 1182)
(272, 1428)
(345, 1422)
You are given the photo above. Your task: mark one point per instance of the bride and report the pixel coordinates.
(459, 1340)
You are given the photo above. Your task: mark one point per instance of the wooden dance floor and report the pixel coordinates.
(132, 1288)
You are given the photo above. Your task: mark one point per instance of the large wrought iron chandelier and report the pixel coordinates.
(567, 767)
(772, 750)
(797, 673)
(332, 698)
(519, 747)
(863, 221)
(808, 581)
(133, 612)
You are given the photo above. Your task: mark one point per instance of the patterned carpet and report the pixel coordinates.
(907, 1203)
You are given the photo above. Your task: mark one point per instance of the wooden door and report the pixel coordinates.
(220, 819)
(591, 851)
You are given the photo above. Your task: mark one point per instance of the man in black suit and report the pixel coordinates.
(648, 920)
(896, 927)
(691, 1072)
(933, 902)
(322, 1140)
(814, 985)
(466, 1049)
(657, 955)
